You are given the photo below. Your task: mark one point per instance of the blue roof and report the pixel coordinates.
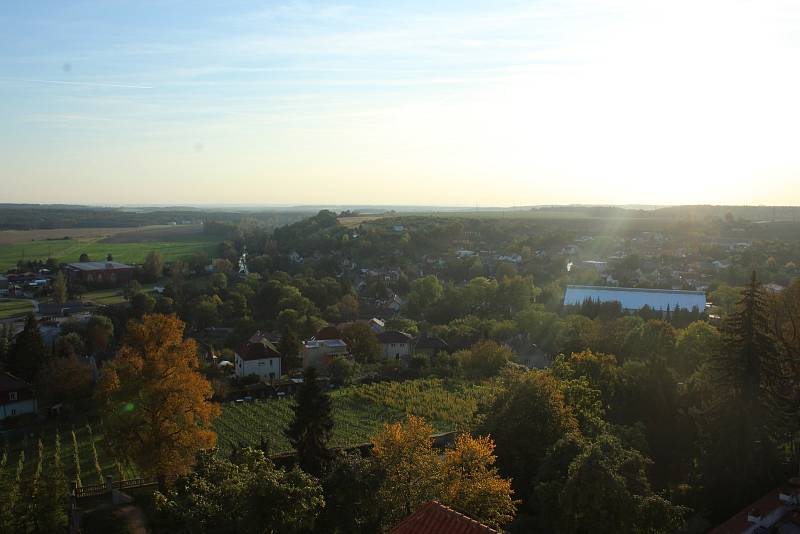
(634, 298)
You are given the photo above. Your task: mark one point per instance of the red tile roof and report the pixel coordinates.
(435, 518)
(768, 505)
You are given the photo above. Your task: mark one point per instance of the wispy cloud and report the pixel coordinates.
(85, 84)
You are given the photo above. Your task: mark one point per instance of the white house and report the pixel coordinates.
(396, 345)
(16, 397)
(319, 353)
(258, 356)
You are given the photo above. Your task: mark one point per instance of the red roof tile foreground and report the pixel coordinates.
(776, 507)
(435, 518)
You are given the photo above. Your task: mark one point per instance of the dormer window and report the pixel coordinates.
(12, 395)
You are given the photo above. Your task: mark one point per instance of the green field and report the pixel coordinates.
(14, 307)
(69, 250)
(112, 296)
(359, 412)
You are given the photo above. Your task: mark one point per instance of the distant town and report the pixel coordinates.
(603, 326)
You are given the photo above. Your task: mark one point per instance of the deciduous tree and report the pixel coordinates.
(156, 405)
(60, 288)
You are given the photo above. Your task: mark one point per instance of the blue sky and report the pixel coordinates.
(440, 103)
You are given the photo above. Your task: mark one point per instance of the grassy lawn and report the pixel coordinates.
(69, 250)
(111, 296)
(14, 308)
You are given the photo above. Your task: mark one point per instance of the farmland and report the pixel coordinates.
(358, 412)
(14, 307)
(129, 246)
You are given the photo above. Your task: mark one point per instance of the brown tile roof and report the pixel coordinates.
(256, 348)
(328, 332)
(436, 518)
(769, 506)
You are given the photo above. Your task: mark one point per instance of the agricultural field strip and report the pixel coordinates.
(358, 411)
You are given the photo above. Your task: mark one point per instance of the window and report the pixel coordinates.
(270, 363)
(12, 395)
(13, 412)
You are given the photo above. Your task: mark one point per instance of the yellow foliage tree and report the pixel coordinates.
(156, 405)
(412, 472)
(473, 484)
(464, 478)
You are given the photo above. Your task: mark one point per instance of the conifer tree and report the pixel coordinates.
(738, 430)
(311, 429)
(748, 362)
(27, 352)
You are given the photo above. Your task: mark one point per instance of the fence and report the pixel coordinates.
(96, 490)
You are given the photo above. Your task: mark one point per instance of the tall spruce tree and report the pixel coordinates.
(27, 352)
(312, 427)
(739, 429)
(748, 364)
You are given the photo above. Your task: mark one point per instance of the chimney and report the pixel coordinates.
(754, 516)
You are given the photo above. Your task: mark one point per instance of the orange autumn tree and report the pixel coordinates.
(472, 482)
(464, 478)
(157, 409)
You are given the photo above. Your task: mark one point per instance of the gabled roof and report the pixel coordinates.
(436, 518)
(258, 347)
(9, 382)
(327, 332)
(771, 510)
(431, 342)
(98, 265)
(394, 336)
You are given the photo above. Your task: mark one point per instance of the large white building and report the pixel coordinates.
(635, 298)
(258, 357)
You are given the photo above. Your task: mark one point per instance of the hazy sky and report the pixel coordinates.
(402, 102)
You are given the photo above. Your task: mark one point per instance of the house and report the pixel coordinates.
(527, 353)
(65, 309)
(258, 356)
(319, 353)
(377, 325)
(16, 397)
(327, 333)
(599, 266)
(511, 258)
(396, 345)
(395, 303)
(436, 518)
(99, 273)
(774, 512)
(636, 298)
(430, 345)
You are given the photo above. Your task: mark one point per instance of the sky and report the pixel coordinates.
(445, 103)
